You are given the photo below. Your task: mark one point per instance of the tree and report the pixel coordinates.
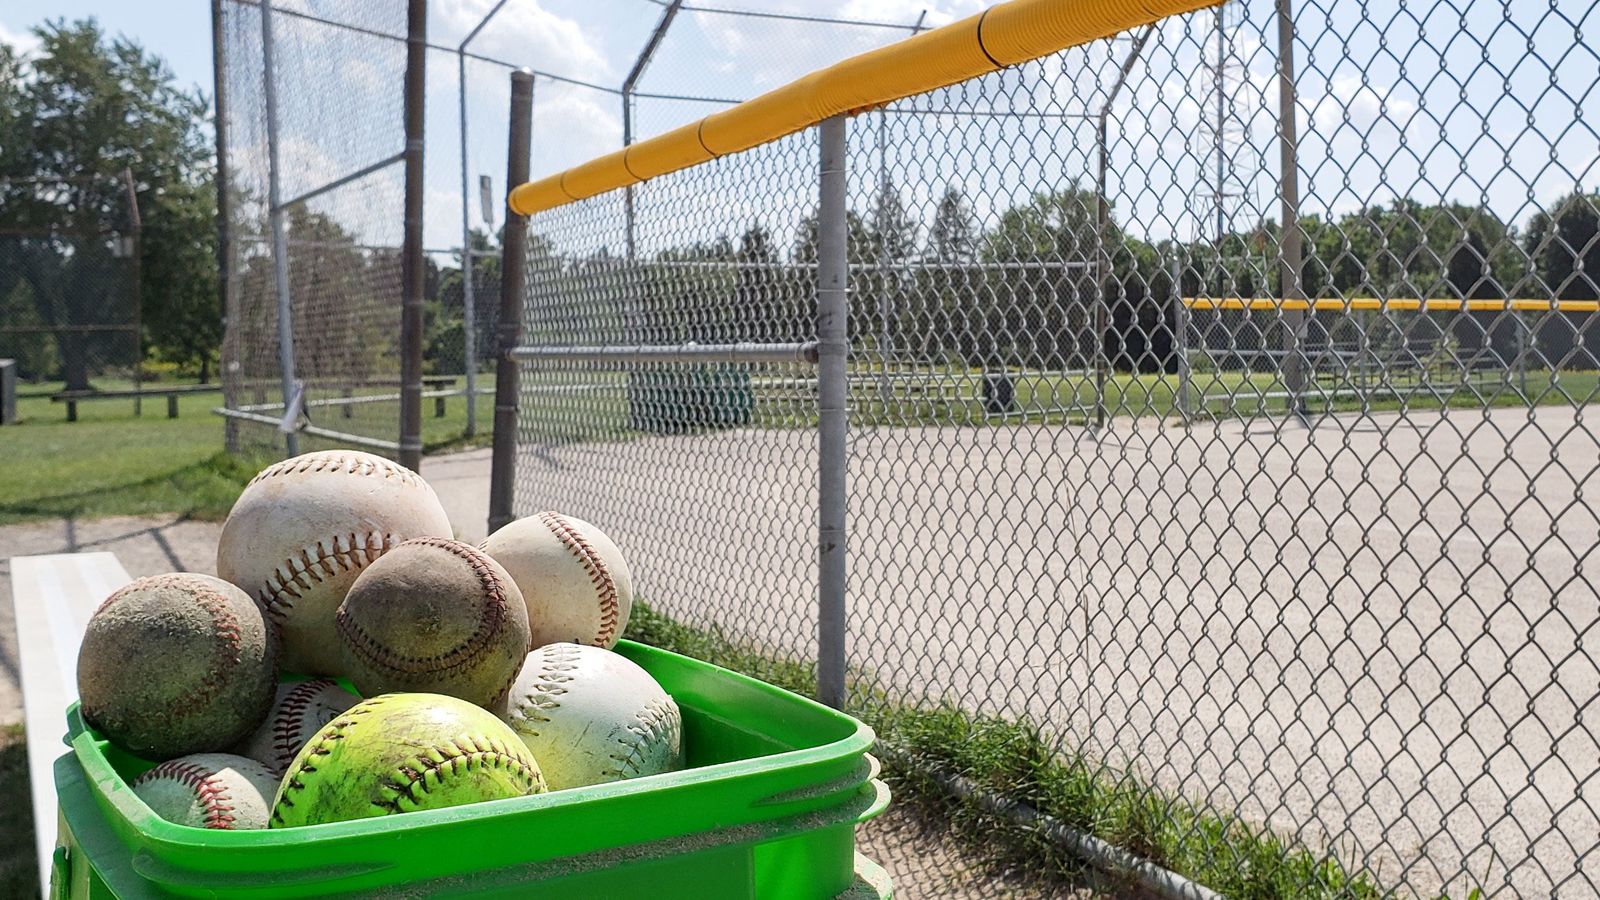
(76, 115)
(947, 297)
(1042, 281)
(1563, 248)
(766, 296)
(880, 297)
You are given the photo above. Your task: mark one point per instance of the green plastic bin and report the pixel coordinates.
(767, 808)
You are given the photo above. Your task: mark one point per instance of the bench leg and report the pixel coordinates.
(438, 407)
(172, 406)
(72, 410)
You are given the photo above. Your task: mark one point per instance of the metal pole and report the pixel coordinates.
(885, 306)
(1180, 321)
(1523, 333)
(136, 242)
(469, 319)
(469, 316)
(832, 414)
(411, 260)
(219, 78)
(514, 254)
(1289, 251)
(1101, 262)
(1221, 116)
(280, 243)
(640, 63)
(1102, 257)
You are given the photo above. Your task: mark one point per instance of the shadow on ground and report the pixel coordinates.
(19, 875)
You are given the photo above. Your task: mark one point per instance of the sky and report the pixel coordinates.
(1478, 102)
(586, 40)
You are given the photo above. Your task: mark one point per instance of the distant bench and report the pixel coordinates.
(73, 398)
(436, 386)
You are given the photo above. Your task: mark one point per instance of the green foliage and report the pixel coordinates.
(76, 114)
(182, 312)
(446, 327)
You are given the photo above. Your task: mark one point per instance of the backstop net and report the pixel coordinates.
(337, 74)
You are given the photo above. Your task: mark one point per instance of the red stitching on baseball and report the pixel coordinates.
(285, 731)
(375, 654)
(337, 461)
(211, 792)
(605, 586)
(296, 575)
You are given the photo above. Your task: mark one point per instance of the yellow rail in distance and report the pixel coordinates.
(1398, 304)
(1003, 35)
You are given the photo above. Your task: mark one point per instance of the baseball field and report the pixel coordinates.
(1384, 624)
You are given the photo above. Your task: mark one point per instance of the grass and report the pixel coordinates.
(111, 462)
(19, 869)
(594, 406)
(1013, 760)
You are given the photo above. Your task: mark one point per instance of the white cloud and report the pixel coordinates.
(22, 41)
(1349, 97)
(525, 30)
(907, 10)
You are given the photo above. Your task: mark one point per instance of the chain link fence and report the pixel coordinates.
(1270, 551)
(337, 72)
(69, 283)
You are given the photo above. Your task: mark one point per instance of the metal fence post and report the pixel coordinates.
(8, 391)
(629, 84)
(832, 413)
(469, 314)
(1289, 251)
(411, 260)
(514, 254)
(1180, 323)
(280, 244)
(1103, 266)
(219, 75)
(469, 319)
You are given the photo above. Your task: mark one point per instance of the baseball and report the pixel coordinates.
(299, 711)
(176, 664)
(591, 716)
(437, 616)
(302, 531)
(401, 753)
(209, 790)
(573, 578)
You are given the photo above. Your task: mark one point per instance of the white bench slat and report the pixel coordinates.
(54, 597)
